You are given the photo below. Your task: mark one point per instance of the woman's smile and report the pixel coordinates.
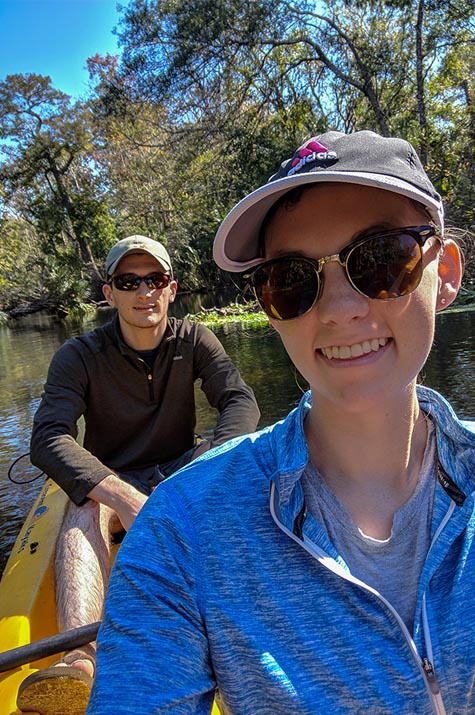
(343, 352)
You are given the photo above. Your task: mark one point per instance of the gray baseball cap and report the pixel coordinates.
(133, 244)
(363, 158)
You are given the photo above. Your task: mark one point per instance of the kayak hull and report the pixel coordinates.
(27, 609)
(27, 604)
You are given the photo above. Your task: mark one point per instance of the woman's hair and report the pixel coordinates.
(465, 240)
(288, 201)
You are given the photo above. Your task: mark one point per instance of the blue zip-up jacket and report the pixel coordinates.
(225, 586)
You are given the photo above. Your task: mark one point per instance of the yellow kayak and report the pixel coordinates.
(27, 611)
(27, 608)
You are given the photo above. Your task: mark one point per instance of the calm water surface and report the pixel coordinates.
(26, 350)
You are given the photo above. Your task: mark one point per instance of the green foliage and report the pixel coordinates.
(93, 220)
(248, 316)
(20, 272)
(248, 82)
(50, 182)
(208, 97)
(62, 288)
(82, 313)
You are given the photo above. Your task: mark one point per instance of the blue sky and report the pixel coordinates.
(55, 37)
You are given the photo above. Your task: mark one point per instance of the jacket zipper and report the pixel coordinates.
(427, 662)
(434, 687)
(424, 665)
(430, 675)
(150, 385)
(149, 377)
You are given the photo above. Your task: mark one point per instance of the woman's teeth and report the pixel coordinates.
(343, 352)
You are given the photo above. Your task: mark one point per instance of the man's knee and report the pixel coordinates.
(91, 520)
(82, 516)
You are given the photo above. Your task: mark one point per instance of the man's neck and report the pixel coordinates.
(143, 338)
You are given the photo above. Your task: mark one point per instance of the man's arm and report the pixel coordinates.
(53, 446)
(224, 388)
(123, 498)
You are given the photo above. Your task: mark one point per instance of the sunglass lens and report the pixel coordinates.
(157, 280)
(386, 267)
(127, 281)
(286, 288)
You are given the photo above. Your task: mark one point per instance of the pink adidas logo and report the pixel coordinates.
(313, 152)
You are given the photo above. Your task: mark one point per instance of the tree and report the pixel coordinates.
(20, 260)
(241, 83)
(171, 177)
(367, 63)
(46, 172)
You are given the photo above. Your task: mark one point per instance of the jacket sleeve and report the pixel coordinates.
(224, 388)
(53, 446)
(153, 654)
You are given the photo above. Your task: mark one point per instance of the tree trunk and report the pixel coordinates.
(84, 248)
(421, 107)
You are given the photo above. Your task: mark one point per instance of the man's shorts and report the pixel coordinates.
(145, 480)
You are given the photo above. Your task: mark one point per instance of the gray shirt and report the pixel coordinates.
(392, 566)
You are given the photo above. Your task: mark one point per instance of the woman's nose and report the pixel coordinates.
(339, 301)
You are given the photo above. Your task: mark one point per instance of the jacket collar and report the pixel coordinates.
(170, 334)
(455, 445)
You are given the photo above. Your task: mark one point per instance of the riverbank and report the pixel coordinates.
(247, 314)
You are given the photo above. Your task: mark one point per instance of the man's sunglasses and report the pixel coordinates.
(131, 281)
(381, 266)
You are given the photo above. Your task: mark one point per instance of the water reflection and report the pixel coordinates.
(451, 365)
(25, 353)
(192, 303)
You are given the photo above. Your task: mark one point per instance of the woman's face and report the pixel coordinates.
(354, 352)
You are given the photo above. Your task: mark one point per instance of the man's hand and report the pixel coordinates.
(201, 449)
(123, 498)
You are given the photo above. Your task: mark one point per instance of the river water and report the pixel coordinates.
(26, 350)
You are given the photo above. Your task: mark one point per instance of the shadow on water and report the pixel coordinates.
(26, 350)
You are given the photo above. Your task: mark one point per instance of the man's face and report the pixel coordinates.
(144, 309)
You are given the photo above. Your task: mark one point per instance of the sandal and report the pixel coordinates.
(86, 652)
(59, 689)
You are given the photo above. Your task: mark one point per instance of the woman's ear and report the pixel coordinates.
(450, 274)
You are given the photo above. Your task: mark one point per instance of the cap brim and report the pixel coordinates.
(235, 247)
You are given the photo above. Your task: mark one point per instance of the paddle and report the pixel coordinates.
(48, 646)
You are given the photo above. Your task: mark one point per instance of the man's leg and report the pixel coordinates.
(82, 566)
(166, 469)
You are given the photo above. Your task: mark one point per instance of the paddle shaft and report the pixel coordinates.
(58, 643)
